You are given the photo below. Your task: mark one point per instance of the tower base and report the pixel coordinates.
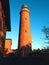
(25, 50)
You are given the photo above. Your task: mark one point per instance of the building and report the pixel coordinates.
(6, 10)
(8, 43)
(4, 22)
(25, 40)
(2, 28)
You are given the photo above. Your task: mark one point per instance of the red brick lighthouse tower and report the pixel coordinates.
(24, 31)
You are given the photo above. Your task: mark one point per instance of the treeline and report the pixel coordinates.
(36, 57)
(44, 50)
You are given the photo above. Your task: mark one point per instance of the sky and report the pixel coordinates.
(39, 17)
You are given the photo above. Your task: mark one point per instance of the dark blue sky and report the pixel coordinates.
(39, 17)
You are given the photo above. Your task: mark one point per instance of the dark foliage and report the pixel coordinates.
(25, 50)
(34, 58)
(46, 32)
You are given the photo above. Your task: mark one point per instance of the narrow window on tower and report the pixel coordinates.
(25, 18)
(25, 30)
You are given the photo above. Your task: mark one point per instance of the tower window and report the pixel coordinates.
(25, 30)
(25, 18)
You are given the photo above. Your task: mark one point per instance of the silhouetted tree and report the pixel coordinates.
(46, 32)
(37, 50)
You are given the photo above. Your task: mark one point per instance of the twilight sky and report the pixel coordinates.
(39, 17)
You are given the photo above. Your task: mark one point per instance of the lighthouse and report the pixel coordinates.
(25, 39)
